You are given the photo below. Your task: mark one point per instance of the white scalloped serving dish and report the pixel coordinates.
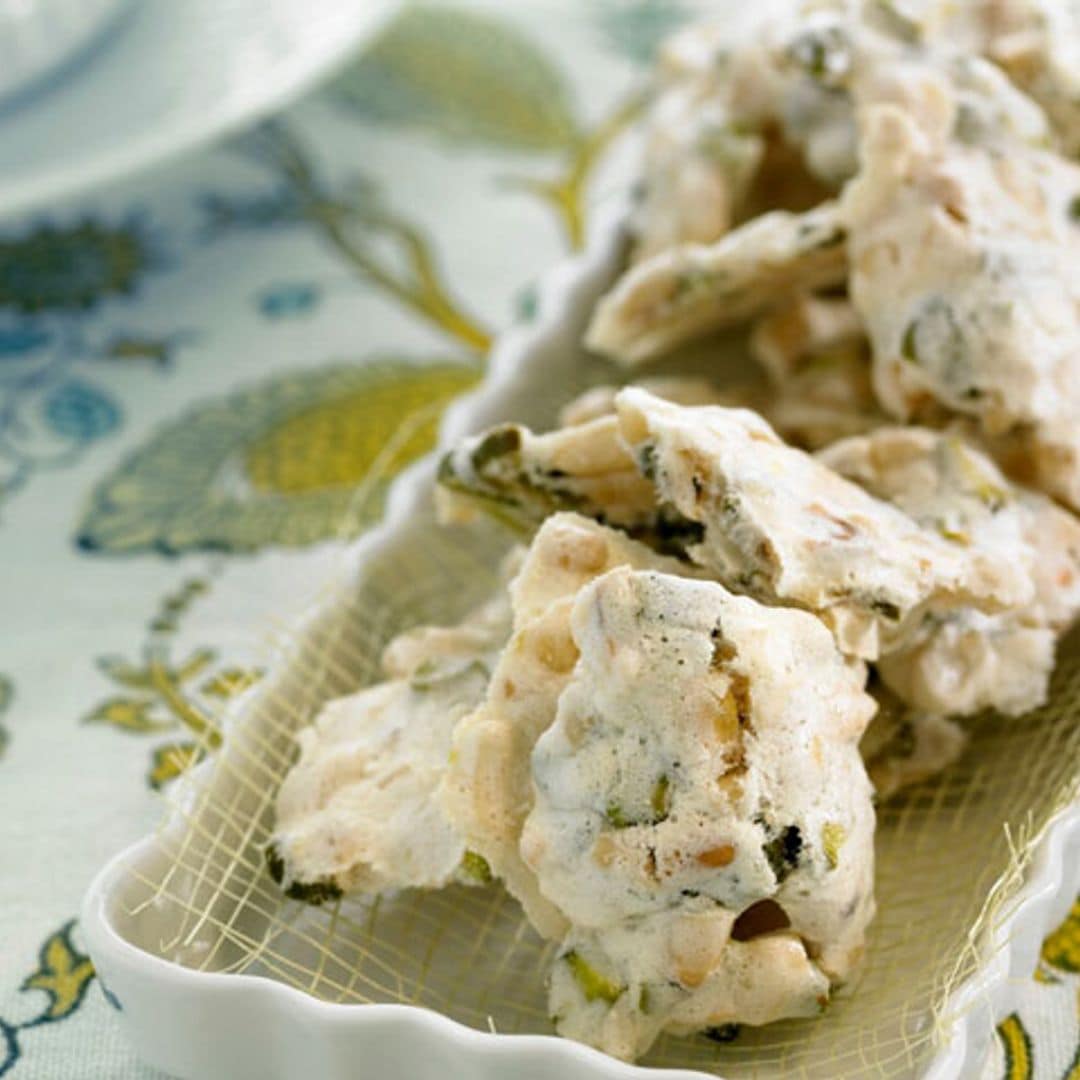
(173, 921)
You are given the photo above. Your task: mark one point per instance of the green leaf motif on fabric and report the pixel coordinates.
(298, 459)
(462, 75)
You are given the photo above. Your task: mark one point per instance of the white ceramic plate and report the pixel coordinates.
(168, 76)
(38, 37)
(219, 1026)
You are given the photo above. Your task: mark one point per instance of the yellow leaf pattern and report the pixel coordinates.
(128, 714)
(124, 674)
(63, 973)
(1061, 949)
(169, 761)
(173, 697)
(1025, 1051)
(300, 444)
(1017, 1044)
(229, 682)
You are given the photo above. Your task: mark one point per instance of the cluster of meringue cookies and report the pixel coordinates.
(742, 616)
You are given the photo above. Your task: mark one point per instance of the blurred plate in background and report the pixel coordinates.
(37, 37)
(166, 77)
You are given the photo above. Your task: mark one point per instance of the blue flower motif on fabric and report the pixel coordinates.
(288, 299)
(56, 278)
(81, 412)
(224, 213)
(9, 1047)
(22, 339)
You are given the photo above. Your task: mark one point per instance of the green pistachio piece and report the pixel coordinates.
(475, 867)
(957, 536)
(498, 443)
(690, 282)
(432, 673)
(660, 800)
(833, 836)
(594, 986)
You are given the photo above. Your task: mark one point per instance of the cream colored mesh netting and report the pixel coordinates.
(946, 861)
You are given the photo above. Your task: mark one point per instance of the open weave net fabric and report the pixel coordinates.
(950, 853)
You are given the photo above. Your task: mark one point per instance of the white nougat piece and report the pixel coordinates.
(697, 169)
(358, 812)
(718, 238)
(782, 526)
(963, 270)
(1036, 42)
(691, 290)
(488, 788)
(702, 816)
(962, 661)
(513, 473)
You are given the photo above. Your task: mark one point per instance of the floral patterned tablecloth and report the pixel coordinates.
(199, 367)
